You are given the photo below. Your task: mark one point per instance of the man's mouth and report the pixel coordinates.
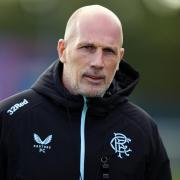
(94, 79)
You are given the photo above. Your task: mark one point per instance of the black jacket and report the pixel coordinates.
(47, 133)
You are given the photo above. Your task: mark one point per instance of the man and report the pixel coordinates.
(76, 122)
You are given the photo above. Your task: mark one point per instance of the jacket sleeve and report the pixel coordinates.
(158, 166)
(2, 151)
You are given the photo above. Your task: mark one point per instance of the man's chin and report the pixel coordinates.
(93, 93)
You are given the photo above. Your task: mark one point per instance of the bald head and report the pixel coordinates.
(93, 15)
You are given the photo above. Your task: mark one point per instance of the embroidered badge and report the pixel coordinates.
(120, 144)
(42, 145)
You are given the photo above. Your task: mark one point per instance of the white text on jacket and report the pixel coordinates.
(15, 107)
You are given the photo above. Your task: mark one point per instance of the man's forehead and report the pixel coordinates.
(98, 29)
(97, 37)
(94, 20)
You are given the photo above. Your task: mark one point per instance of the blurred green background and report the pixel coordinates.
(30, 29)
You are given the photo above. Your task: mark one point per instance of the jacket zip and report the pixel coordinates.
(82, 136)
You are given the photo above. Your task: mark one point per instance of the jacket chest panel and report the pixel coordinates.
(117, 143)
(39, 142)
(54, 141)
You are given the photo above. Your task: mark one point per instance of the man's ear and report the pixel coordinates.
(121, 55)
(61, 50)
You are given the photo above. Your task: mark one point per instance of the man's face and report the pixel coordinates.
(91, 58)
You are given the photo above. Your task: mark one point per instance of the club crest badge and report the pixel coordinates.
(120, 145)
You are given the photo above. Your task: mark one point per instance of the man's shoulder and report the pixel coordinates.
(19, 103)
(138, 116)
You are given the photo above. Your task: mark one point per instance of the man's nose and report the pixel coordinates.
(97, 59)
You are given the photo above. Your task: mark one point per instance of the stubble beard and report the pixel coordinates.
(83, 88)
(90, 90)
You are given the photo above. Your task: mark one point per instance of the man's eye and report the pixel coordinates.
(88, 47)
(108, 50)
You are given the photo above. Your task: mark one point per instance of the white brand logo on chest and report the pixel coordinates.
(15, 107)
(42, 145)
(120, 144)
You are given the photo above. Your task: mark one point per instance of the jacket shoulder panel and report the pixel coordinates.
(141, 120)
(139, 116)
(13, 106)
